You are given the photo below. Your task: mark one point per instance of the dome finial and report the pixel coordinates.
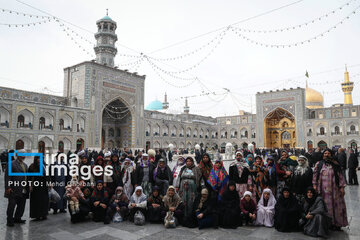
(107, 12)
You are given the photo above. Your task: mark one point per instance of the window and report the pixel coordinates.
(352, 128)
(337, 130)
(322, 131)
(353, 113)
(42, 123)
(285, 135)
(21, 121)
(61, 124)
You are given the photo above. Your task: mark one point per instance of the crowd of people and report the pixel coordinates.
(291, 191)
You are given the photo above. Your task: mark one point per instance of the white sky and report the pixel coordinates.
(34, 57)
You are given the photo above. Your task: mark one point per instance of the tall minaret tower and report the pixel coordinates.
(105, 49)
(186, 107)
(347, 88)
(165, 103)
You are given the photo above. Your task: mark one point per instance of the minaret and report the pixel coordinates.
(165, 103)
(105, 49)
(186, 108)
(347, 88)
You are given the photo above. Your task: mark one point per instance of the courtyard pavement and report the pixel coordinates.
(59, 227)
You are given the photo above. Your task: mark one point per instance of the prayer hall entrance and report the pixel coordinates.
(280, 129)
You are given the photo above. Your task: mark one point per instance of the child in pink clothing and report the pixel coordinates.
(74, 193)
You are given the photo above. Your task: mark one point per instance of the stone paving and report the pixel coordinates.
(59, 227)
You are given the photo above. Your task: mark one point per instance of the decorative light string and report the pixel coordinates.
(171, 84)
(26, 24)
(167, 73)
(72, 38)
(24, 14)
(222, 35)
(290, 28)
(299, 43)
(192, 52)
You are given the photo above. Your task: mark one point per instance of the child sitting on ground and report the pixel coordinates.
(74, 193)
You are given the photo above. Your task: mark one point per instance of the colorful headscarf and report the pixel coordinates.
(218, 179)
(247, 160)
(179, 164)
(205, 168)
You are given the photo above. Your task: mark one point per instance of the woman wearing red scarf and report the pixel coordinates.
(218, 179)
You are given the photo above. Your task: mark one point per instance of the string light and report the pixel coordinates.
(24, 14)
(299, 43)
(290, 28)
(222, 35)
(189, 53)
(176, 86)
(72, 38)
(26, 24)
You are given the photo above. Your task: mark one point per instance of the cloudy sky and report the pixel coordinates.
(33, 58)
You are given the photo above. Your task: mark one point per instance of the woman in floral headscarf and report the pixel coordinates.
(218, 179)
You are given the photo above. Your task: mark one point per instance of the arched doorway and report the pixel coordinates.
(41, 147)
(280, 129)
(117, 115)
(61, 146)
(79, 144)
(322, 144)
(19, 144)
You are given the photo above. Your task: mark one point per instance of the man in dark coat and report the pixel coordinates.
(353, 165)
(16, 190)
(341, 157)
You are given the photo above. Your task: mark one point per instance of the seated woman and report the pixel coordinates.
(154, 206)
(205, 210)
(287, 212)
(138, 202)
(266, 209)
(118, 204)
(248, 208)
(172, 203)
(99, 203)
(230, 207)
(74, 194)
(315, 216)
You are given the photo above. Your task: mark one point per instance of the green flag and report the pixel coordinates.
(307, 74)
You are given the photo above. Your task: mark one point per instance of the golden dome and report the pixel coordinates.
(314, 99)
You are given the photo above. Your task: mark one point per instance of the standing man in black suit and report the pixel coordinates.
(16, 190)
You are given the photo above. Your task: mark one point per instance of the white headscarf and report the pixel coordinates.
(271, 201)
(247, 193)
(301, 169)
(138, 199)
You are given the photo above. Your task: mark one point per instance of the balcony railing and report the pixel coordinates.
(320, 134)
(45, 127)
(156, 134)
(165, 134)
(336, 133)
(181, 135)
(173, 135)
(147, 133)
(22, 125)
(353, 133)
(244, 136)
(4, 124)
(309, 134)
(187, 135)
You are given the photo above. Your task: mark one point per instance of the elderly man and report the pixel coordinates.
(16, 190)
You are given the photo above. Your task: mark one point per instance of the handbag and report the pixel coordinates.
(139, 218)
(117, 218)
(53, 196)
(170, 220)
